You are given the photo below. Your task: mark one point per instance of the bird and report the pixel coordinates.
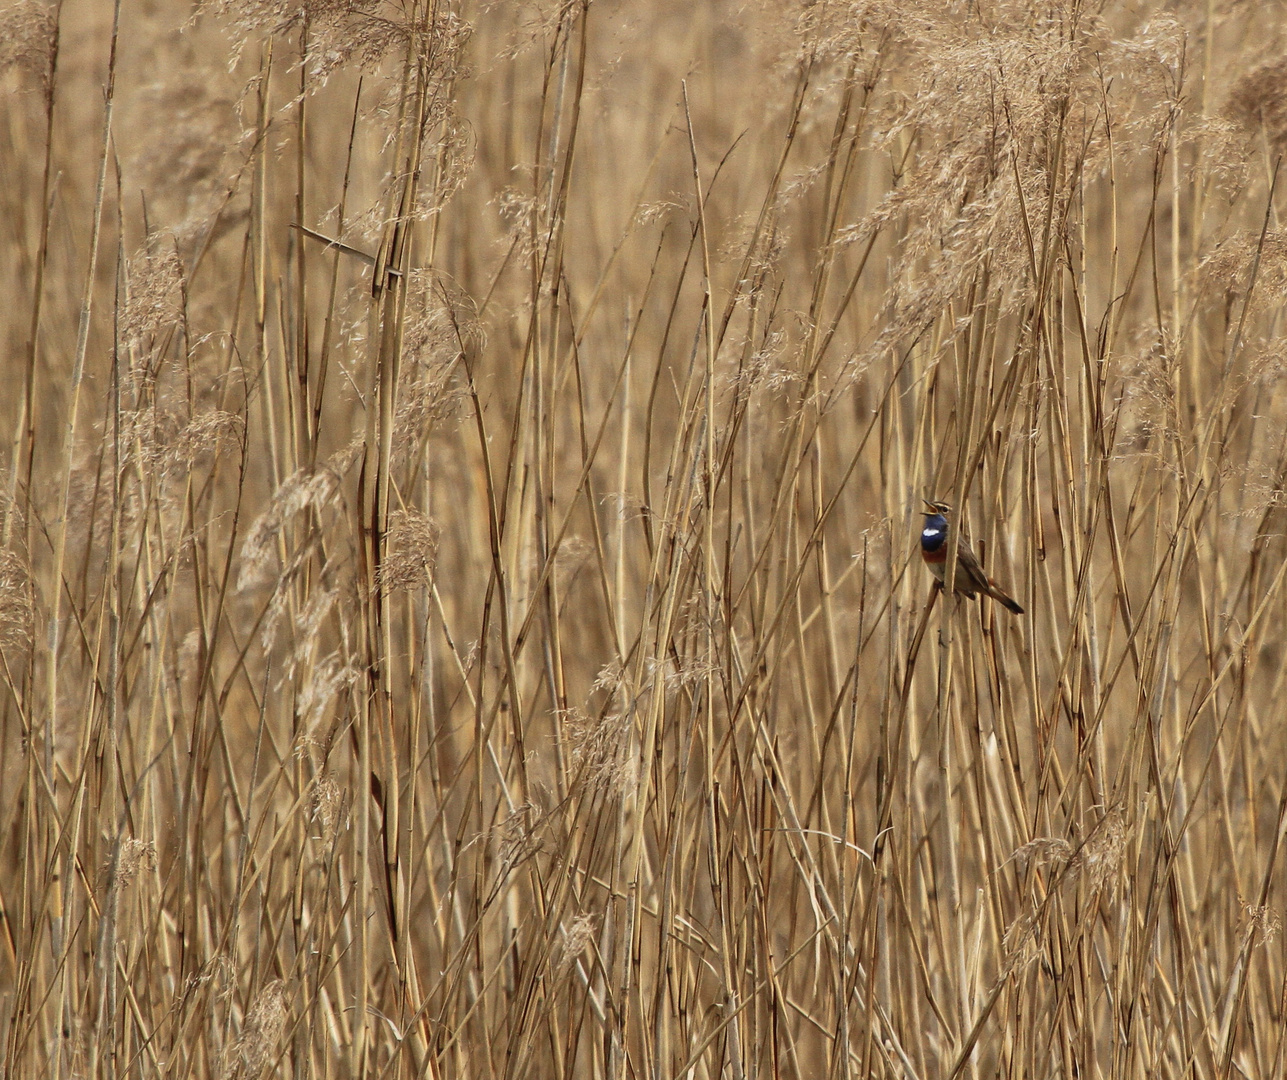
(969, 578)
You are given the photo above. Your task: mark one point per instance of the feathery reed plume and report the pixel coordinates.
(17, 605)
(28, 37)
(1258, 101)
(261, 1031)
(411, 551)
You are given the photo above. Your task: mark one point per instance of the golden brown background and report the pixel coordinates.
(459, 603)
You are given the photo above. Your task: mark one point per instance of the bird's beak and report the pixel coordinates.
(930, 507)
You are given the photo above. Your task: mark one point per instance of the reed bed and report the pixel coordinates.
(460, 607)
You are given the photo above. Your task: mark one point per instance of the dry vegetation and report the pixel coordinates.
(459, 606)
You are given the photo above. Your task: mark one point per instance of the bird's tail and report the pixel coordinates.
(995, 591)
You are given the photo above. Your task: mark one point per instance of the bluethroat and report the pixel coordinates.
(970, 578)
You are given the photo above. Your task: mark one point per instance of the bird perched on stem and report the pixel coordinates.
(969, 578)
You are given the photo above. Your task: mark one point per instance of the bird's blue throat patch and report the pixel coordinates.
(933, 533)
